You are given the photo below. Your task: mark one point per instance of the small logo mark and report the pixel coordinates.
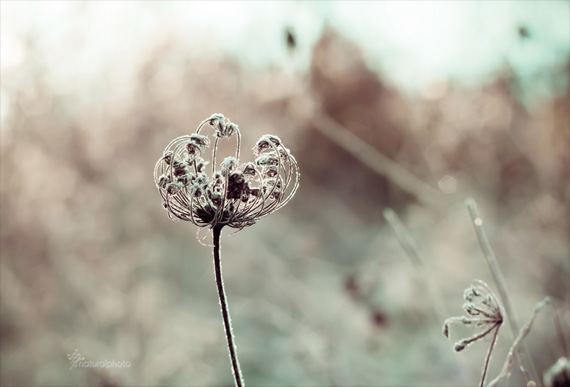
(75, 358)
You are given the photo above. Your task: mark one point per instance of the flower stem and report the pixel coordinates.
(224, 308)
(524, 358)
(488, 357)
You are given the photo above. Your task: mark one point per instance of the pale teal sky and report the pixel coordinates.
(411, 43)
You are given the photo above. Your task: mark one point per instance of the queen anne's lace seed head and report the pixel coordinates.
(199, 140)
(163, 181)
(222, 126)
(228, 165)
(173, 188)
(483, 311)
(167, 157)
(265, 142)
(249, 169)
(267, 159)
(236, 195)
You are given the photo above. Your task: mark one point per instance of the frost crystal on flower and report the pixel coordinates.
(483, 310)
(235, 195)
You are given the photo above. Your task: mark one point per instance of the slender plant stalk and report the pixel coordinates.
(488, 357)
(418, 260)
(559, 329)
(522, 334)
(217, 231)
(497, 274)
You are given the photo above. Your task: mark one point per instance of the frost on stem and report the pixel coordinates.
(235, 195)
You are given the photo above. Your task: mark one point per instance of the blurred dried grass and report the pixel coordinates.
(320, 293)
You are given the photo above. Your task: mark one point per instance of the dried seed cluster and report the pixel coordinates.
(235, 195)
(559, 374)
(483, 310)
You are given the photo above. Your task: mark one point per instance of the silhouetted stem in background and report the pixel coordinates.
(419, 262)
(217, 231)
(502, 287)
(559, 329)
(375, 160)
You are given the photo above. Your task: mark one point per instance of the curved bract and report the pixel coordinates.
(234, 195)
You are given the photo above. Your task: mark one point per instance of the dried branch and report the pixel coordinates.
(522, 334)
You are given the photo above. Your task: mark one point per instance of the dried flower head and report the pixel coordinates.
(235, 195)
(559, 374)
(483, 311)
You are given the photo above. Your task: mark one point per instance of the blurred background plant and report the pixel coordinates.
(412, 106)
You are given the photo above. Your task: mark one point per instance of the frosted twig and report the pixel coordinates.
(522, 334)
